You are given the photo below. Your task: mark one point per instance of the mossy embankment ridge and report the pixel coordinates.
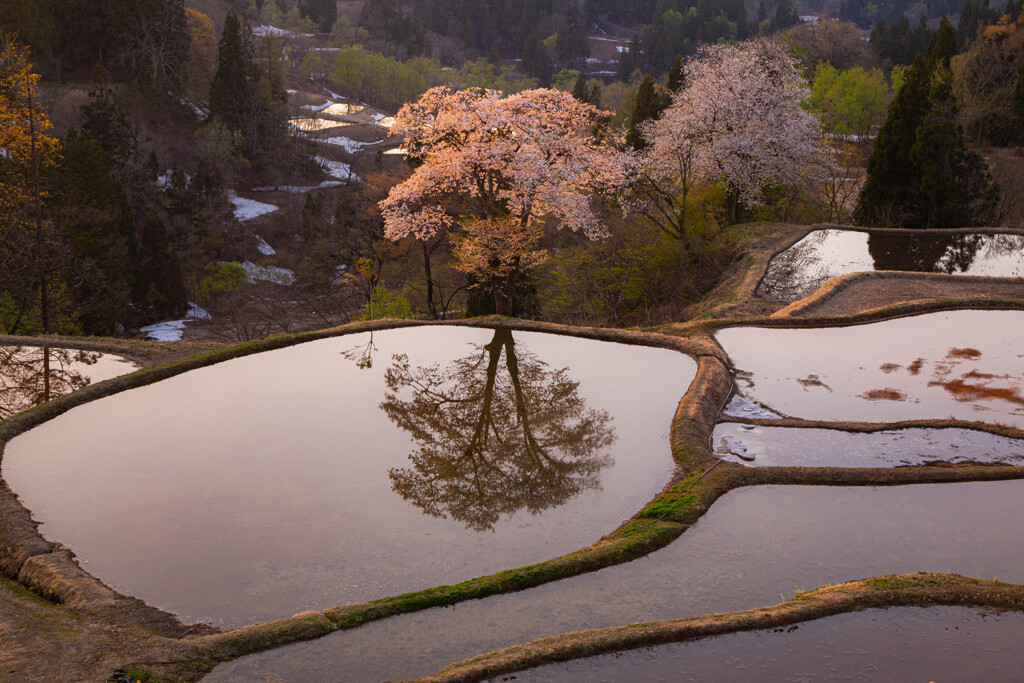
(187, 652)
(896, 590)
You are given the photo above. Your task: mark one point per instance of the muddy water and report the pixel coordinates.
(30, 375)
(754, 547)
(825, 254)
(780, 446)
(963, 364)
(898, 644)
(353, 468)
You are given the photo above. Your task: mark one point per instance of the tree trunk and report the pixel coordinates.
(430, 283)
(44, 290)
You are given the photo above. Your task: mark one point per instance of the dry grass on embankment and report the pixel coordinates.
(699, 480)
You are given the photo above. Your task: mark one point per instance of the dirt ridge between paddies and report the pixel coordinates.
(699, 480)
(895, 590)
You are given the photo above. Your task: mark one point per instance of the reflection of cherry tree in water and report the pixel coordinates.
(491, 443)
(30, 376)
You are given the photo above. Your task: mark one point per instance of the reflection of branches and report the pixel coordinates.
(797, 271)
(362, 355)
(30, 376)
(490, 443)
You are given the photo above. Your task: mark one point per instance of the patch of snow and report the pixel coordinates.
(334, 95)
(197, 312)
(742, 407)
(263, 247)
(200, 112)
(268, 30)
(339, 274)
(247, 209)
(317, 107)
(169, 331)
(348, 144)
(281, 276)
(337, 169)
(383, 121)
(299, 189)
(400, 151)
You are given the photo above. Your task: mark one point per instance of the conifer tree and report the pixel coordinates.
(580, 90)
(231, 85)
(676, 75)
(942, 47)
(921, 174)
(648, 106)
(890, 187)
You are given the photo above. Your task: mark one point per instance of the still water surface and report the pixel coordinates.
(825, 254)
(788, 447)
(897, 644)
(755, 546)
(30, 375)
(963, 364)
(353, 468)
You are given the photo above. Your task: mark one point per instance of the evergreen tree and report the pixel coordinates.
(97, 224)
(579, 89)
(889, 190)
(230, 86)
(967, 27)
(956, 188)
(105, 120)
(921, 174)
(942, 47)
(648, 106)
(323, 12)
(676, 75)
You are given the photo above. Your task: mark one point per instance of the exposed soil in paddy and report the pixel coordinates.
(867, 293)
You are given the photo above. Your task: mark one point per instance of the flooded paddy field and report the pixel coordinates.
(30, 375)
(967, 365)
(825, 254)
(763, 446)
(756, 546)
(896, 644)
(354, 467)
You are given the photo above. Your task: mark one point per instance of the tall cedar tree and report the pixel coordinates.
(676, 76)
(648, 106)
(890, 187)
(323, 12)
(231, 86)
(96, 222)
(921, 174)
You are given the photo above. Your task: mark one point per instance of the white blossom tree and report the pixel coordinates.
(498, 168)
(737, 121)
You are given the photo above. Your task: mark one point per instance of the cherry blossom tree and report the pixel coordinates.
(499, 168)
(737, 121)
